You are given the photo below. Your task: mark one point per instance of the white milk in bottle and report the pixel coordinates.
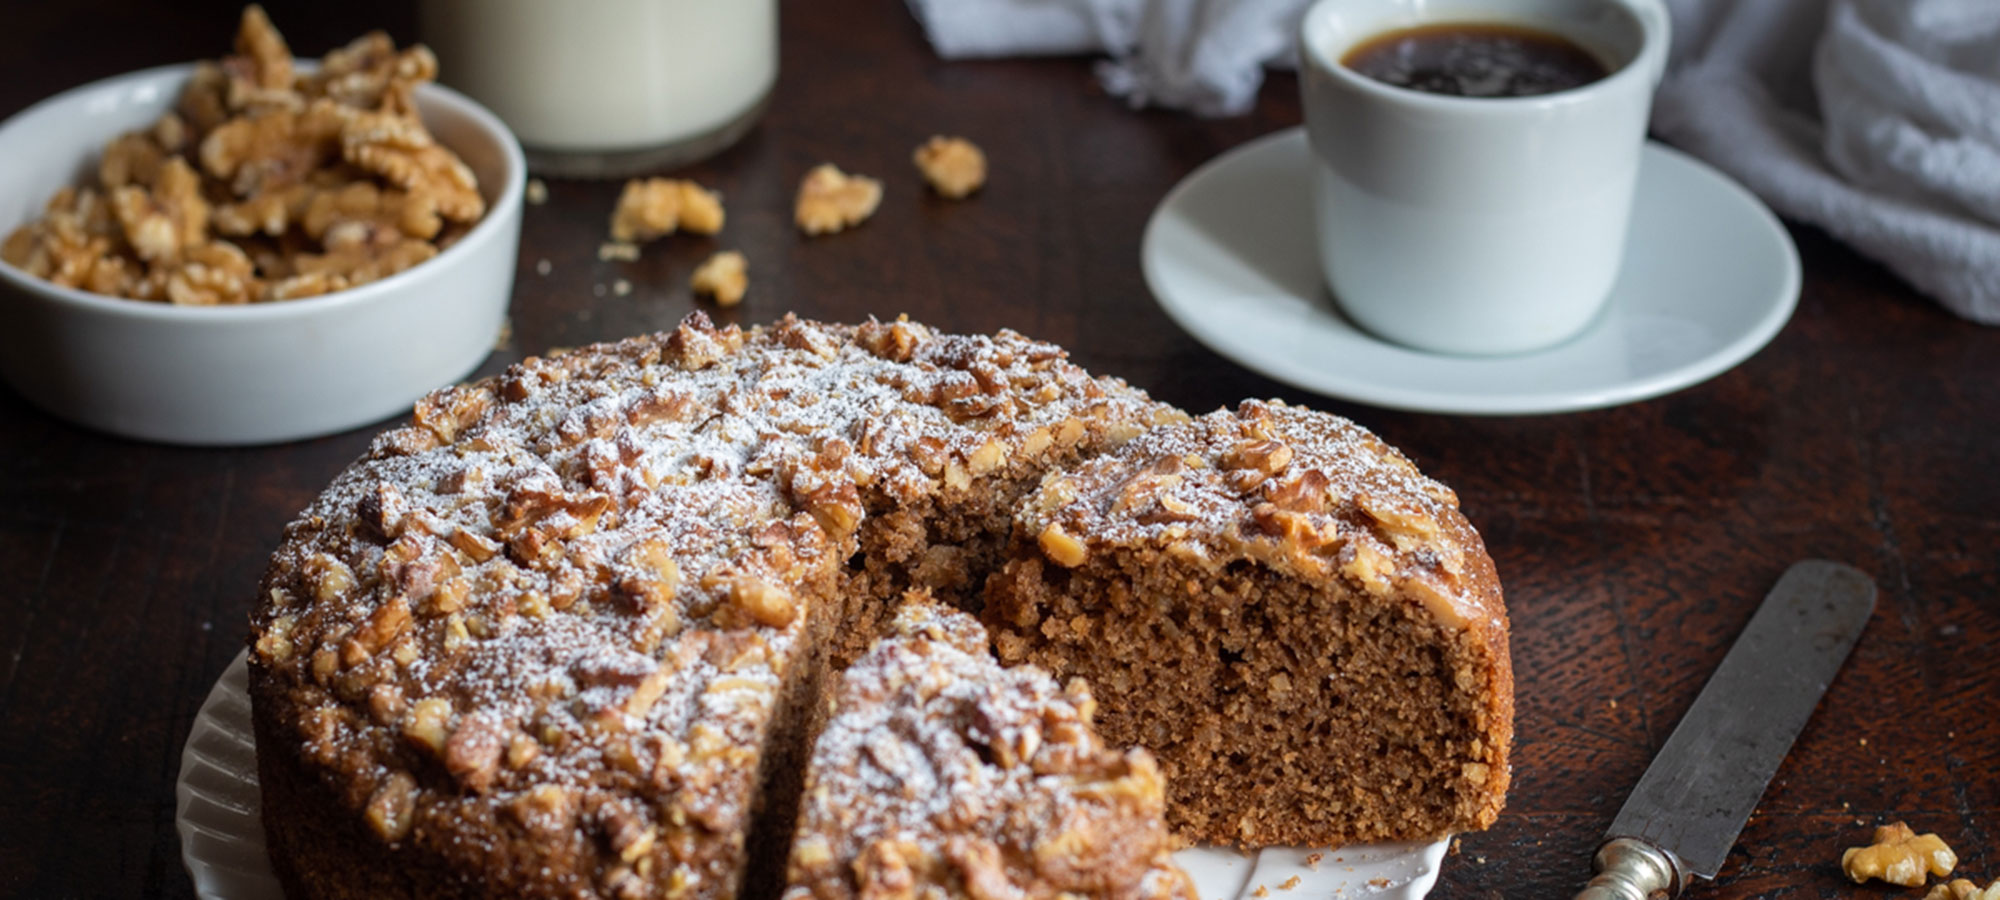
(609, 88)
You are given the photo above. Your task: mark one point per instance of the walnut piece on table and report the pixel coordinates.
(1899, 856)
(1964, 889)
(831, 200)
(724, 276)
(652, 208)
(954, 166)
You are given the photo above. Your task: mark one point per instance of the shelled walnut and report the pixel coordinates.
(954, 166)
(831, 200)
(1963, 889)
(1899, 856)
(263, 184)
(724, 276)
(651, 208)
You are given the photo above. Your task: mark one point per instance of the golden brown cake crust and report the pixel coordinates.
(1300, 583)
(537, 643)
(943, 775)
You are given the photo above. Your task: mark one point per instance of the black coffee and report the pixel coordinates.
(1476, 60)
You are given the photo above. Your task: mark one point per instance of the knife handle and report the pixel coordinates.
(1631, 869)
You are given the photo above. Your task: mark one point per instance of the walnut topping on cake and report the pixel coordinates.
(942, 772)
(578, 592)
(1298, 490)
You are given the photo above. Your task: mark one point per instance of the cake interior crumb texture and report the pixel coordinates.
(1270, 600)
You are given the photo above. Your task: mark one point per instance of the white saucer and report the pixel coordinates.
(219, 811)
(1709, 277)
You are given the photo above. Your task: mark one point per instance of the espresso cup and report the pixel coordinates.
(1474, 225)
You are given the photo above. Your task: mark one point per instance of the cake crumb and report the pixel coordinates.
(1289, 883)
(831, 200)
(543, 267)
(954, 166)
(1453, 850)
(621, 287)
(538, 192)
(724, 276)
(619, 250)
(1312, 860)
(1261, 891)
(1614, 704)
(1378, 883)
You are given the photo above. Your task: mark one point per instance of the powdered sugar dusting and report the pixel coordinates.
(563, 602)
(942, 768)
(1304, 492)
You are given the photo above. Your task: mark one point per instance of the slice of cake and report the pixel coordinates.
(943, 775)
(1301, 626)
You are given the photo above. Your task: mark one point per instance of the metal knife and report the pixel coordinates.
(1688, 808)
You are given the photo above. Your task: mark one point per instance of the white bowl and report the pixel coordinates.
(258, 373)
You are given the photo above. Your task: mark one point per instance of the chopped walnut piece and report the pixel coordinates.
(724, 276)
(954, 166)
(166, 220)
(1963, 889)
(398, 148)
(213, 274)
(651, 208)
(1061, 547)
(831, 200)
(261, 71)
(370, 73)
(1899, 856)
(392, 810)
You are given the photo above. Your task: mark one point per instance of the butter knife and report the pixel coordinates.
(1687, 810)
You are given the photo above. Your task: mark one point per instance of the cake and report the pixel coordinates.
(1327, 624)
(569, 632)
(941, 774)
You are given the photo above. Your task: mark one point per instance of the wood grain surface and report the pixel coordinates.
(1633, 542)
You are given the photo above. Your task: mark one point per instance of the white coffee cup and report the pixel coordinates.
(1472, 225)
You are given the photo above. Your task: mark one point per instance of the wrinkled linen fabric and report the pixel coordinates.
(1877, 120)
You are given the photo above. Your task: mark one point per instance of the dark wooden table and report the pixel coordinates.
(1633, 542)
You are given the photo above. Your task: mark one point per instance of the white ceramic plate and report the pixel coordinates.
(222, 833)
(1709, 277)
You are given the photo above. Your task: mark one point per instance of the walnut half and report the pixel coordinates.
(1899, 856)
(831, 200)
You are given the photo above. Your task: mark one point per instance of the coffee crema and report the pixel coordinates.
(1475, 59)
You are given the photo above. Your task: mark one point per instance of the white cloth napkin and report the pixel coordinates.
(1878, 120)
(1205, 56)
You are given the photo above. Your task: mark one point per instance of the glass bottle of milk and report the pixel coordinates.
(610, 88)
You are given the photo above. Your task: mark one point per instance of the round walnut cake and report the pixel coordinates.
(574, 631)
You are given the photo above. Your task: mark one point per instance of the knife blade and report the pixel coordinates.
(1686, 811)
